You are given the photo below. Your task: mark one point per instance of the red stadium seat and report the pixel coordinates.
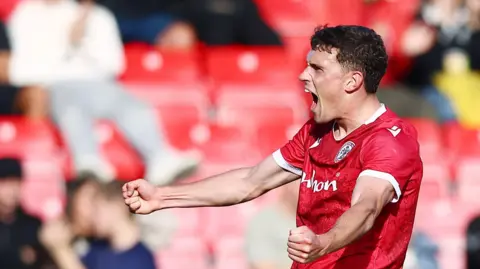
(436, 177)
(461, 141)
(43, 189)
(227, 220)
(189, 221)
(226, 144)
(181, 111)
(184, 253)
(20, 137)
(122, 157)
(327, 12)
(288, 17)
(149, 64)
(297, 49)
(468, 179)
(272, 136)
(443, 217)
(429, 137)
(229, 253)
(252, 109)
(240, 65)
(118, 151)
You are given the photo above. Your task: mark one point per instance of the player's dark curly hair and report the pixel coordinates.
(359, 48)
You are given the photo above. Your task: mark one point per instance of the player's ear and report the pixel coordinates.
(354, 81)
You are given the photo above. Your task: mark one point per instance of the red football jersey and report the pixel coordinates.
(384, 147)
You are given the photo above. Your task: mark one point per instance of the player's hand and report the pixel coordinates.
(139, 196)
(305, 246)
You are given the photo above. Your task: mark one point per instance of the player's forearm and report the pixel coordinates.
(353, 224)
(229, 188)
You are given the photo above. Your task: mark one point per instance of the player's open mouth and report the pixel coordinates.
(315, 100)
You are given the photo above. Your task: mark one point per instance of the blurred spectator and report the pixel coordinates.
(118, 245)
(20, 247)
(442, 27)
(473, 244)
(79, 210)
(459, 79)
(425, 251)
(156, 229)
(77, 54)
(267, 233)
(216, 22)
(227, 22)
(147, 21)
(391, 19)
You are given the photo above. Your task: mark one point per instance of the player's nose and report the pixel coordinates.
(303, 77)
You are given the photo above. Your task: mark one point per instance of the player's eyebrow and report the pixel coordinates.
(315, 66)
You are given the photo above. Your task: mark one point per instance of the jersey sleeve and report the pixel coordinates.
(291, 156)
(392, 157)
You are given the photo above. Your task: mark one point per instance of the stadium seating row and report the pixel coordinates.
(225, 65)
(451, 154)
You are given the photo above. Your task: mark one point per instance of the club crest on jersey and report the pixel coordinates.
(343, 152)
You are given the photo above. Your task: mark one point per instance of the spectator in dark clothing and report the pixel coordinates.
(438, 31)
(216, 22)
(20, 247)
(226, 22)
(473, 244)
(115, 224)
(117, 238)
(149, 22)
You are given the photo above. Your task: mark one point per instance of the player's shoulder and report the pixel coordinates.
(394, 131)
(389, 124)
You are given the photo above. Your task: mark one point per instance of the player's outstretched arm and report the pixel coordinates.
(233, 187)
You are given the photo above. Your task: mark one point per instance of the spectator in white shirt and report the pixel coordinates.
(74, 50)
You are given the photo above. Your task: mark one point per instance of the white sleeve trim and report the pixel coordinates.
(278, 157)
(386, 176)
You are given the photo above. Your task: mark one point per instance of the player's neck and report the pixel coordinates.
(356, 116)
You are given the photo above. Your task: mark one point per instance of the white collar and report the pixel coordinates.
(382, 109)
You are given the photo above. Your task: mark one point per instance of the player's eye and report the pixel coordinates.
(316, 67)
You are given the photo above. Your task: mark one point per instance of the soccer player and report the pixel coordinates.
(358, 165)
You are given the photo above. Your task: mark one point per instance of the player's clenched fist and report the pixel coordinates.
(139, 196)
(305, 246)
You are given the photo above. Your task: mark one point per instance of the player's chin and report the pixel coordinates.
(318, 117)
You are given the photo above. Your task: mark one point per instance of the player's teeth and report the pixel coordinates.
(307, 90)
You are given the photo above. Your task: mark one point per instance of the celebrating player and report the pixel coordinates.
(358, 163)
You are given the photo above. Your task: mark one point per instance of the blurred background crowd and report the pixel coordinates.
(93, 93)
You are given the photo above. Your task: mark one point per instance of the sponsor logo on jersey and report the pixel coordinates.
(318, 186)
(343, 152)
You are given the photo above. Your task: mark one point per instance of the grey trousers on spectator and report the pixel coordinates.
(76, 105)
